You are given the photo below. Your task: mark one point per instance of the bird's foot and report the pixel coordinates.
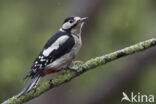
(75, 69)
(72, 69)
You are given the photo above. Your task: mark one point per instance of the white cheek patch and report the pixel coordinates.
(55, 45)
(67, 25)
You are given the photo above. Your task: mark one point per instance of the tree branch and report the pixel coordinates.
(82, 67)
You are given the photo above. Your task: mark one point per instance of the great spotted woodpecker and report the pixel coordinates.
(58, 52)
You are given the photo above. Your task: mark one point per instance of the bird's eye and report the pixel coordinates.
(71, 21)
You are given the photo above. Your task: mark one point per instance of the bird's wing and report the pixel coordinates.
(54, 38)
(56, 47)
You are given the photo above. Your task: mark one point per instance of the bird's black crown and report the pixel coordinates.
(71, 18)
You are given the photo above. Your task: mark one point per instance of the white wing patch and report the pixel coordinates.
(55, 45)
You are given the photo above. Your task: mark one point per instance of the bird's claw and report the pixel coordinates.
(72, 69)
(75, 69)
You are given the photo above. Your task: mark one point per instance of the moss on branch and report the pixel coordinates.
(81, 68)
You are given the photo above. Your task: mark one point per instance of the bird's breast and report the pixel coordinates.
(78, 44)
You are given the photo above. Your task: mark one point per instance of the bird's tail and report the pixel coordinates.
(34, 81)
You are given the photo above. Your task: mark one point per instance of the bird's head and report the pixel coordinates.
(73, 24)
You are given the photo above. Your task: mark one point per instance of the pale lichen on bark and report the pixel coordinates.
(82, 67)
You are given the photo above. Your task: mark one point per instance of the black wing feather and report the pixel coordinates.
(54, 38)
(63, 48)
(55, 54)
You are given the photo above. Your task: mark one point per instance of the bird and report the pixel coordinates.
(58, 53)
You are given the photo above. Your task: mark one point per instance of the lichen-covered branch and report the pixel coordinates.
(81, 68)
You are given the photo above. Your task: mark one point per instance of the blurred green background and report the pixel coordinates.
(25, 26)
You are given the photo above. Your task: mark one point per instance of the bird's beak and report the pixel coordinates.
(81, 20)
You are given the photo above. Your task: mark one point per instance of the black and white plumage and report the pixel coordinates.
(58, 52)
